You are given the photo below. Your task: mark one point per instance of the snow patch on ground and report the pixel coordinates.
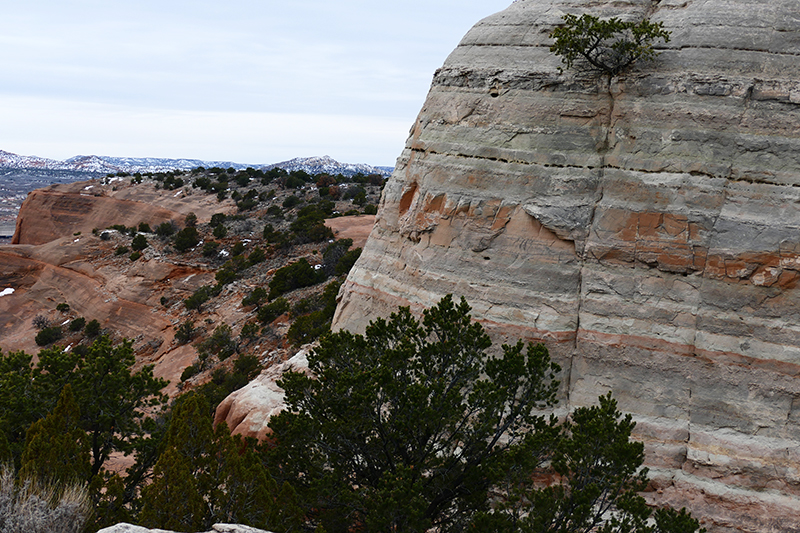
(6, 292)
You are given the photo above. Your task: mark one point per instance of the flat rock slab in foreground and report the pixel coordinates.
(216, 528)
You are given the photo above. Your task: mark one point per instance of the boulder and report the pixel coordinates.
(247, 410)
(646, 229)
(216, 528)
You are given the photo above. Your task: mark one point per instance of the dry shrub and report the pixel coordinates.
(30, 507)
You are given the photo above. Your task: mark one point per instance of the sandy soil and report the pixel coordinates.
(353, 227)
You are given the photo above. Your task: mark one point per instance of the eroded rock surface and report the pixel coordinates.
(62, 210)
(647, 230)
(247, 411)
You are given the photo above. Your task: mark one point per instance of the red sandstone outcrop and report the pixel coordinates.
(62, 210)
(647, 230)
(56, 259)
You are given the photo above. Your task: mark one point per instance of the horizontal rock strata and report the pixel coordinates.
(647, 229)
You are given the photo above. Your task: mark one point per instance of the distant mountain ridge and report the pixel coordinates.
(106, 164)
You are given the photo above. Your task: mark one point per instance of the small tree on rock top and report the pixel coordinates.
(607, 47)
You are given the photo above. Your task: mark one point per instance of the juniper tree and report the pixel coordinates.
(404, 428)
(605, 46)
(56, 448)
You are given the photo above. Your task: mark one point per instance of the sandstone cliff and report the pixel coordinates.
(647, 230)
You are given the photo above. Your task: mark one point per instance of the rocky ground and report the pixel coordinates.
(68, 263)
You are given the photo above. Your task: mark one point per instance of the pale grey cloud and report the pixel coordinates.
(247, 80)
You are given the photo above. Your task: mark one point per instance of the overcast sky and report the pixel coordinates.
(250, 81)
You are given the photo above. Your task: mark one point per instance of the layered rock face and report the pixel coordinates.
(647, 230)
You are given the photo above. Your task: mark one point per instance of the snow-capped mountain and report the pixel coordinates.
(106, 164)
(326, 164)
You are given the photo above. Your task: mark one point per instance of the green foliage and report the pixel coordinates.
(600, 474)
(310, 223)
(224, 276)
(120, 228)
(139, 243)
(220, 342)
(347, 261)
(210, 248)
(206, 476)
(250, 331)
(77, 324)
(48, 335)
(200, 296)
(272, 236)
(172, 500)
(294, 276)
(273, 310)
(337, 260)
(317, 317)
(273, 173)
(293, 182)
(370, 209)
(405, 428)
(165, 229)
(220, 232)
(62, 307)
(144, 227)
(111, 397)
(217, 219)
(56, 448)
(134, 256)
(256, 256)
(275, 212)
(245, 368)
(92, 328)
(290, 202)
(185, 332)
(360, 199)
(189, 371)
(605, 46)
(171, 182)
(114, 405)
(121, 250)
(256, 297)
(186, 239)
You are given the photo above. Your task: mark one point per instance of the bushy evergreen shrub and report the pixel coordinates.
(48, 335)
(294, 276)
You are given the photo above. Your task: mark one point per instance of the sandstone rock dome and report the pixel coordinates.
(647, 230)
